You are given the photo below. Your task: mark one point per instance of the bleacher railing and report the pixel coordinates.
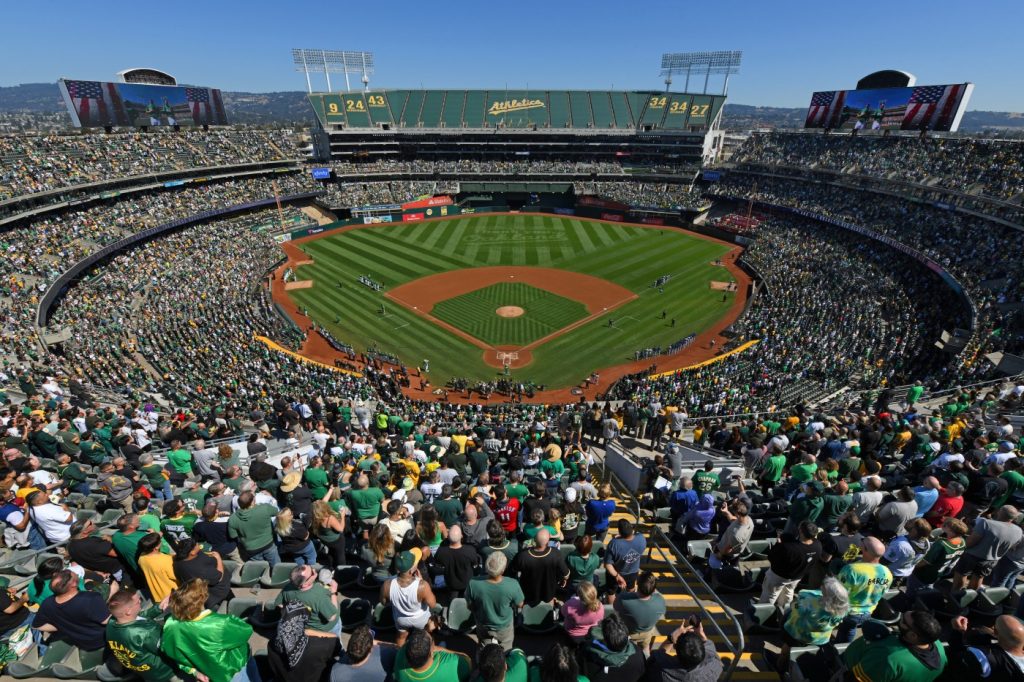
(660, 542)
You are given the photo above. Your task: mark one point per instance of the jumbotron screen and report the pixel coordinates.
(922, 107)
(95, 104)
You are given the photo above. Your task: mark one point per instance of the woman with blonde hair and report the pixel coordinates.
(582, 612)
(329, 527)
(294, 540)
(202, 642)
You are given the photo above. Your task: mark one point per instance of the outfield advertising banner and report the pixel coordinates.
(97, 104)
(427, 202)
(376, 219)
(923, 107)
(409, 217)
(615, 217)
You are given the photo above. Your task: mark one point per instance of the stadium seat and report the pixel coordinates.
(243, 607)
(80, 665)
(347, 576)
(383, 618)
(354, 612)
(32, 665)
(944, 606)
(988, 606)
(759, 549)
(86, 515)
(761, 618)
(538, 619)
(250, 574)
(459, 618)
(279, 576)
(104, 674)
(111, 515)
(29, 568)
(231, 568)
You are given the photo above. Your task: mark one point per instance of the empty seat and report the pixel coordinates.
(250, 574)
(243, 607)
(354, 612)
(761, 618)
(383, 618)
(459, 617)
(32, 665)
(80, 665)
(279, 576)
(539, 619)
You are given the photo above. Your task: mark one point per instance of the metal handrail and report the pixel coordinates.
(679, 557)
(658, 534)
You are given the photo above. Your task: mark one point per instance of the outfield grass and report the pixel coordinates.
(632, 257)
(543, 314)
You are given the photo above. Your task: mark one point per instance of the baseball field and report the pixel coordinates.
(554, 297)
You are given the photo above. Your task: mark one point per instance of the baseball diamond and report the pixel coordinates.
(584, 286)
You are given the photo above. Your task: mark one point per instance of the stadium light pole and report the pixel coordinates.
(333, 61)
(721, 62)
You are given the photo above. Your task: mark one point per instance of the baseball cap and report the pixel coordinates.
(407, 560)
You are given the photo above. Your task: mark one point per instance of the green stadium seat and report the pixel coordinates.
(110, 516)
(29, 568)
(86, 514)
(278, 576)
(354, 612)
(761, 618)
(80, 665)
(538, 619)
(104, 674)
(243, 607)
(988, 605)
(459, 617)
(32, 665)
(250, 574)
(347, 576)
(383, 618)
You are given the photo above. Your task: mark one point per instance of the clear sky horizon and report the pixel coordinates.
(791, 48)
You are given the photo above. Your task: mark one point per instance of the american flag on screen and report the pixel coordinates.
(95, 102)
(824, 107)
(932, 106)
(196, 97)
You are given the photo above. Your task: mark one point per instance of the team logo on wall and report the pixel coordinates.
(508, 105)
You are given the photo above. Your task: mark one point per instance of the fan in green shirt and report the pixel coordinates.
(492, 657)
(772, 468)
(706, 481)
(180, 460)
(419, 661)
(133, 635)
(494, 602)
(365, 502)
(914, 654)
(252, 525)
(316, 480)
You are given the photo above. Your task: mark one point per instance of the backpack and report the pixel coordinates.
(290, 640)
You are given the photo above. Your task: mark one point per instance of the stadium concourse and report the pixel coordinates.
(864, 480)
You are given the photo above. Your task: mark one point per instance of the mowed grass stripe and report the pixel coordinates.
(629, 256)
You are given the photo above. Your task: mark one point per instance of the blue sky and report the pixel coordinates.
(791, 48)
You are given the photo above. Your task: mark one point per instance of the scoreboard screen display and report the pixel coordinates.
(97, 104)
(922, 107)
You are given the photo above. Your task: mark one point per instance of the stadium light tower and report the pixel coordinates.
(721, 62)
(333, 61)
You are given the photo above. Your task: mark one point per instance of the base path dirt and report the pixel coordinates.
(598, 296)
(702, 348)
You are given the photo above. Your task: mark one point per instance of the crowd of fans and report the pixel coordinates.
(811, 344)
(645, 194)
(37, 163)
(37, 252)
(986, 269)
(994, 168)
(356, 194)
(900, 526)
(526, 166)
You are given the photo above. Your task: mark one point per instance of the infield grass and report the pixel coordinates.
(632, 257)
(543, 313)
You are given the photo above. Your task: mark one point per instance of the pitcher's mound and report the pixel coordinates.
(509, 311)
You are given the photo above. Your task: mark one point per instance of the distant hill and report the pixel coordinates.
(291, 107)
